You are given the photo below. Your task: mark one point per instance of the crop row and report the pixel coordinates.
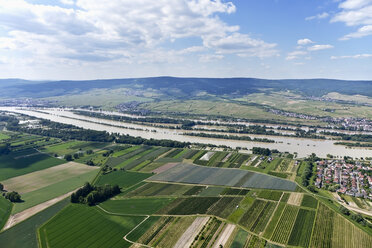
(155, 229)
(225, 206)
(253, 212)
(323, 229)
(231, 191)
(284, 227)
(173, 153)
(156, 189)
(274, 220)
(264, 217)
(301, 232)
(193, 205)
(115, 161)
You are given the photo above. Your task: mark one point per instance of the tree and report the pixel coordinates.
(68, 157)
(1, 187)
(76, 155)
(13, 196)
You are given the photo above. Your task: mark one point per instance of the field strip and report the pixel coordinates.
(259, 162)
(191, 232)
(19, 217)
(40, 179)
(251, 161)
(295, 199)
(164, 167)
(125, 237)
(224, 236)
(227, 157)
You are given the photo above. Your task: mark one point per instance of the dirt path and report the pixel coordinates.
(134, 243)
(224, 236)
(19, 217)
(189, 235)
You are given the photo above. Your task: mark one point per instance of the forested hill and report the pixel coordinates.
(185, 87)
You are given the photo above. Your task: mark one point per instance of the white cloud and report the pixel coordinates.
(354, 4)
(304, 41)
(318, 16)
(210, 57)
(123, 30)
(319, 47)
(295, 55)
(357, 56)
(68, 2)
(361, 32)
(355, 13)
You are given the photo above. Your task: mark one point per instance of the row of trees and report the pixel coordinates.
(92, 195)
(263, 151)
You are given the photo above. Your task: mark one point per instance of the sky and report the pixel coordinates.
(274, 39)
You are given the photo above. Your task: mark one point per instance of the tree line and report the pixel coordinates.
(91, 195)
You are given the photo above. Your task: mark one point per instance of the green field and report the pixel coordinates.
(54, 190)
(141, 206)
(274, 220)
(239, 239)
(24, 234)
(72, 147)
(284, 227)
(20, 163)
(302, 228)
(160, 189)
(3, 136)
(309, 201)
(191, 205)
(270, 195)
(142, 229)
(83, 226)
(124, 179)
(5, 209)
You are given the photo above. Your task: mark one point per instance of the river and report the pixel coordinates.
(303, 147)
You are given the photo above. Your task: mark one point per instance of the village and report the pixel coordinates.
(345, 176)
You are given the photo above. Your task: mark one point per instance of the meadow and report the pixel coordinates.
(5, 209)
(135, 206)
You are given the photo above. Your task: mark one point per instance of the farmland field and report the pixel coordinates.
(186, 173)
(346, 234)
(79, 225)
(157, 189)
(274, 220)
(20, 163)
(123, 179)
(239, 239)
(270, 195)
(256, 218)
(284, 227)
(309, 201)
(5, 209)
(142, 229)
(28, 228)
(301, 232)
(225, 206)
(191, 205)
(323, 229)
(3, 136)
(43, 178)
(140, 206)
(51, 191)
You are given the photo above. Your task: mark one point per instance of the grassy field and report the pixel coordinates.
(43, 178)
(270, 195)
(309, 201)
(141, 206)
(239, 239)
(54, 190)
(24, 234)
(5, 209)
(124, 179)
(225, 206)
(20, 163)
(83, 226)
(244, 205)
(3, 136)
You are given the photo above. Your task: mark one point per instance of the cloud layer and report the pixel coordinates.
(127, 31)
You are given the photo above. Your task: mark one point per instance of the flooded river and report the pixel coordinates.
(303, 147)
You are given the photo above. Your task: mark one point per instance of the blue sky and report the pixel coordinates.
(88, 39)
